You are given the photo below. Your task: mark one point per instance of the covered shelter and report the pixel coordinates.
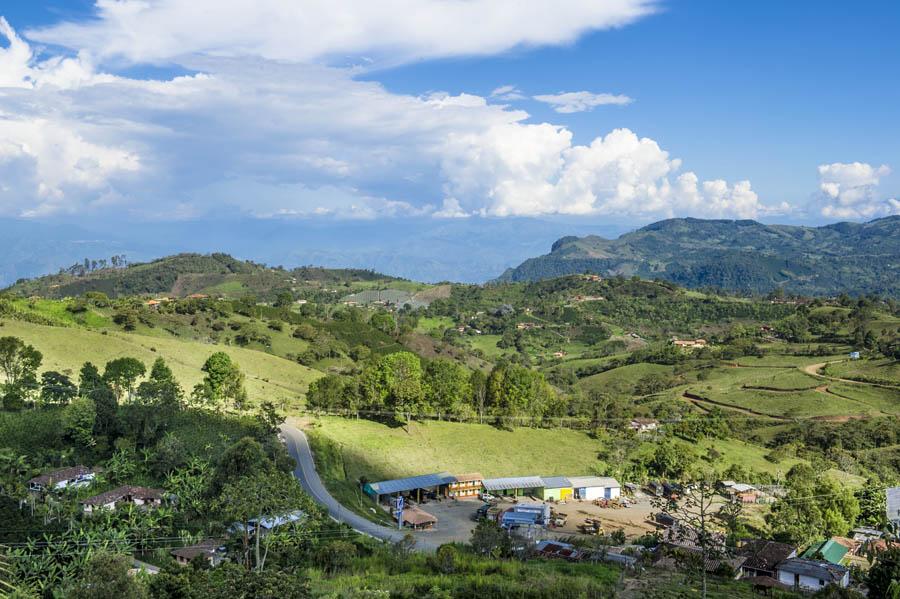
(557, 488)
(595, 487)
(515, 486)
(414, 486)
(417, 519)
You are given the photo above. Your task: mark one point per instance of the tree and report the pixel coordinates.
(335, 556)
(478, 385)
(161, 389)
(670, 461)
(489, 539)
(78, 421)
(106, 576)
(244, 458)
(18, 363)
(694, 517)
(884, 576)
(396, 382)
(446, 387)
(223, 382)
(89, 379)
(121, 375)
(57, 388)
(814, 506)
(263, 494)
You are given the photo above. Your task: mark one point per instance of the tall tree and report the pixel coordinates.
(264, 494)
(446, 387)
(57, 388)
(224, 382)
(122, 374)
(161, 389)
(19, 363)
(396, 382)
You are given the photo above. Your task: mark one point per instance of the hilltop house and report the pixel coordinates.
(811, 575)
(686, 344)
(139, 496)
(56, 480)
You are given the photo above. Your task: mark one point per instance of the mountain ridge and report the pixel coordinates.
(736, 255)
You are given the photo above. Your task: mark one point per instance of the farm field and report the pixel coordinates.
(624, 378)
(883, 371)
(67, 348)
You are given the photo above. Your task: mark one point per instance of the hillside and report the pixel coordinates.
(185, 274)
(741, 255)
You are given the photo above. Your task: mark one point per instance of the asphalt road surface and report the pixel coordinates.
(298, 447)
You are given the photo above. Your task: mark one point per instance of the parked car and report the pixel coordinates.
(488, 497)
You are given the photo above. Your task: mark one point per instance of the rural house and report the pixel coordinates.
(139, 496)
(763, 556)
(811, 575)
(686, 344)
(74, 476)
(643, 425)
(212, 551)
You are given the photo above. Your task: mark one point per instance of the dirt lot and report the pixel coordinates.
(634, 519)
(456, 519)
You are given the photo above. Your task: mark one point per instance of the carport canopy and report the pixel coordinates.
(401, 485)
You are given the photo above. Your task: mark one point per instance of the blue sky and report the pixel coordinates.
(780, 111)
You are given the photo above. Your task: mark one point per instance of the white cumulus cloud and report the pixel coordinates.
(260, 130)
(850, 190)
(569, 102)
(312, 30)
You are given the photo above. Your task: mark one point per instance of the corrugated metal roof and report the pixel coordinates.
(813, 568)
(556, 482)
(386, 487)
(513, 482)
(830, 550)
(582, 482)
(893, 503)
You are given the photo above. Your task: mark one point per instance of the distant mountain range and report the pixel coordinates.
(741, 255)
(471, 250)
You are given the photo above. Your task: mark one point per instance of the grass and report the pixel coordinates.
(438, 324)
(378, 451)
(622, 380)
(66, 348)
(883, 371)
(487, 344)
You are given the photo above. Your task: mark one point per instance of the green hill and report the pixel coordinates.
(185, 274)
(737, 255)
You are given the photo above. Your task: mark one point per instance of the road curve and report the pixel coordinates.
(305, 472)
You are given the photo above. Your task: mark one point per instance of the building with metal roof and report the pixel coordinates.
(515, 485)
(557, 488)
(893, 505)
(595, 487)
(830, 551)
(811, 574)
(426, 482)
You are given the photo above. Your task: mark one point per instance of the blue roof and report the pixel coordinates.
(556, 482)
(424, 481)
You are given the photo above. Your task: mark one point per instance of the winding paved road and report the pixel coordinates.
(298, 447)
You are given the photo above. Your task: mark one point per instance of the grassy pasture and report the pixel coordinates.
(622, 380)
(884, 371)
(67, 348)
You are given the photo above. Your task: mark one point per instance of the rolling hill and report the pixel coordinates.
(742, 255)
(184, 274)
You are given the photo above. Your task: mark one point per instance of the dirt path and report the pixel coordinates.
(813, 370)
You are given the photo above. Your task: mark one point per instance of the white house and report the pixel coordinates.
(595, 487)
(57, 480)
(811, 575)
